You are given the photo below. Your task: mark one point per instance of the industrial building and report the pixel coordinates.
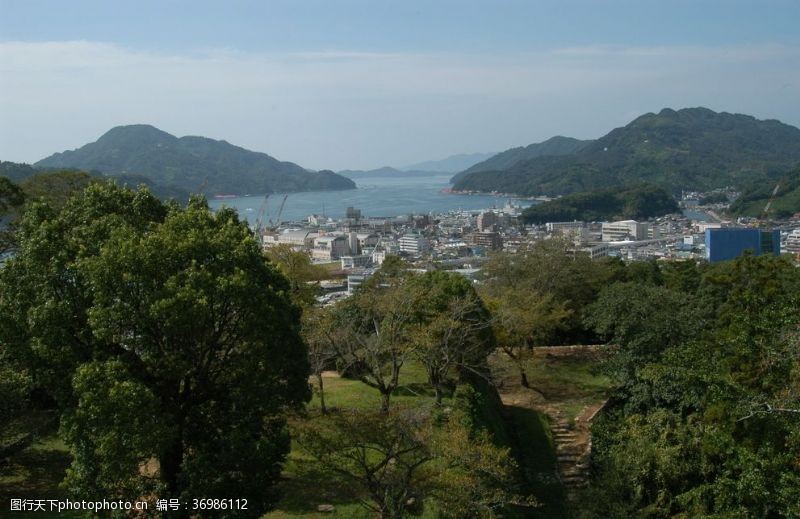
(729, 243)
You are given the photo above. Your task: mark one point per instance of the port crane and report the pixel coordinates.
(260, 216)
(276, 224)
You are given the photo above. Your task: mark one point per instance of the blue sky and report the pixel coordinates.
(360, 84)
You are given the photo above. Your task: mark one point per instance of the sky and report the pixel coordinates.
(359, 84)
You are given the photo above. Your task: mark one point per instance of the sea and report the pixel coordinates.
(380, 197)
(375, 197)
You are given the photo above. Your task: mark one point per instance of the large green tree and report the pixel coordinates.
(706, 425)
(168, 340)
(452, 328)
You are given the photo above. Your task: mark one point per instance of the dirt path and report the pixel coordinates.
(570, 430)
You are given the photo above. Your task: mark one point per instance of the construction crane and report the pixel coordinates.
(277, 222)
(260, 216)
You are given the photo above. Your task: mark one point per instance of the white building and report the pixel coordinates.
(356, 279)
(351, 262)
(302, 239)
(329, 248)
(553, 227)
(792, 244)
(414, 244)
(625, 230)
(594, 251)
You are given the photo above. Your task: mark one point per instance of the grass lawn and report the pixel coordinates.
(34, 473)
(304, 487)
(568, 383)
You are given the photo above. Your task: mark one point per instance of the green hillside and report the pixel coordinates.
(554, 146)
(693, 148)
(16, 171)
(754, 199)
(606, 204)
(191, 163)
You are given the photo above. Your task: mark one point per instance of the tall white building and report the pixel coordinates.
(414, 244)
(625, 230)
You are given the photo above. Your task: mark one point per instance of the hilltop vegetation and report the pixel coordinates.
(692, 148)
(640, 202)
(553, 146)
(191, 164)
(754, 199)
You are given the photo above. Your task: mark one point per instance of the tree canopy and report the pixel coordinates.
(167, 339)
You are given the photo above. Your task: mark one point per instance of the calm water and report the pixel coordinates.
(374, 196)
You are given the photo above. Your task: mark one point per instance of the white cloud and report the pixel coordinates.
(353, 109)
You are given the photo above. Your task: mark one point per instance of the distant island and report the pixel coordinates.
(387, 172)
(692, 148)
(451, 164)
(191, 164)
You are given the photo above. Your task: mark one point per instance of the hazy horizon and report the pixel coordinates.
(359, 85)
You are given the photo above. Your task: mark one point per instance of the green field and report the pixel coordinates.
(36, 471)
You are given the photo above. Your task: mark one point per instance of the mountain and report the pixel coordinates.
(16, 171)
(451, 164)
(692, 148)
(386, 172)
(640, 202)
(557, 145)
(190, 163)
(754, 198)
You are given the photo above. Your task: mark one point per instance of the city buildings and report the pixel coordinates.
(792, 245)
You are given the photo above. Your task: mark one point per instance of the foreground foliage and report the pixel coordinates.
(707, 421)
(165, 338)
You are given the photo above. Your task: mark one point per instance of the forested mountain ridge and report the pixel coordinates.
(191, 163)
(692, 148)
(553, 146)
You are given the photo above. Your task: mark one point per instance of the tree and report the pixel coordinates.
(56, 187)
(453, 327)
(398, 460)
(136, 307)
(298, 269)
(523, 319)
(11, 198)
(643, 320)
(550, 269)
(374, 341)
(321, 334)
(706, 424)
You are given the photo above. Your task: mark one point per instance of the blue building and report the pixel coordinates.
(727, 244)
